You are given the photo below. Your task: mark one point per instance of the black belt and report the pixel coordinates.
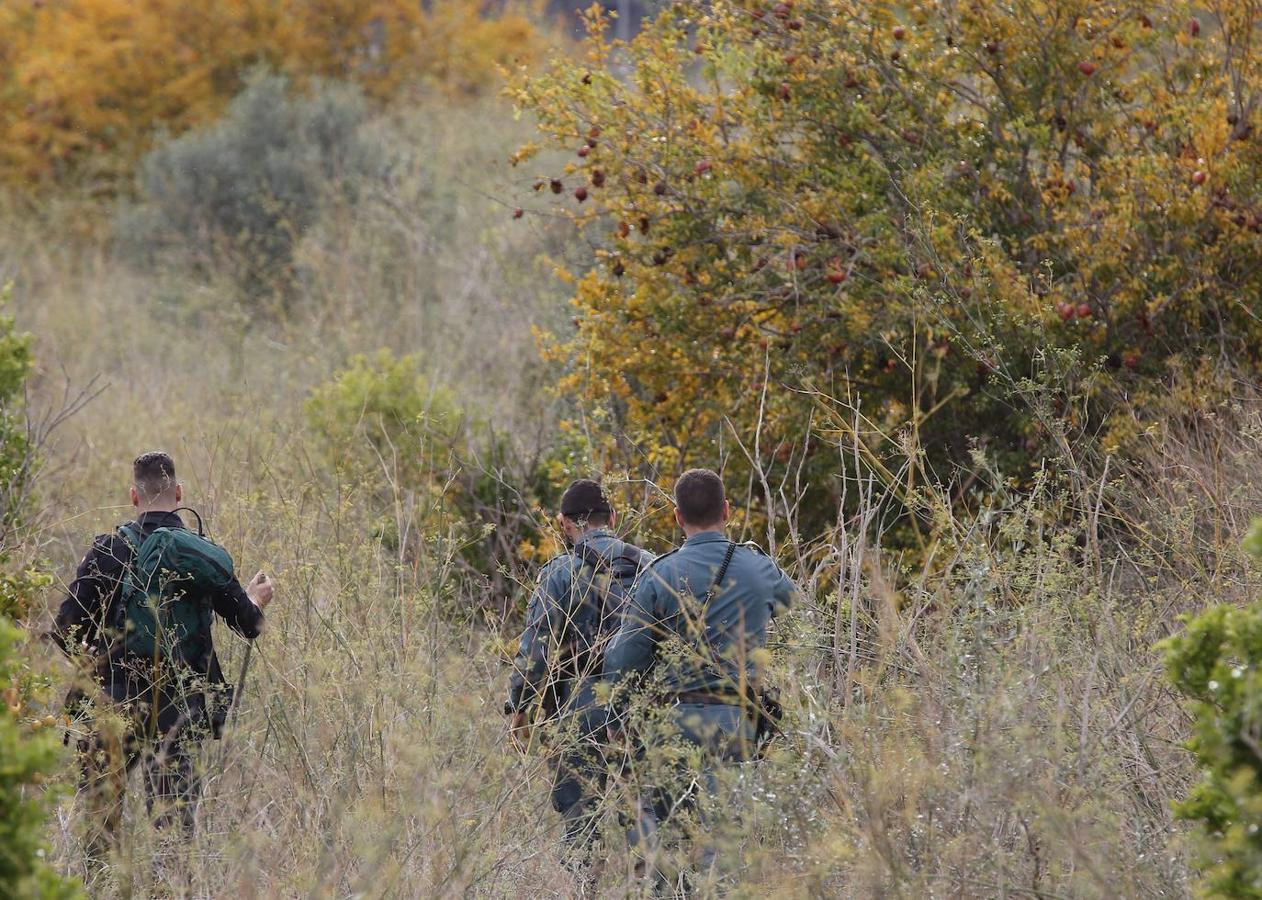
(702, 698)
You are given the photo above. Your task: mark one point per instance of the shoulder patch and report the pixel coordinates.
(750, 545)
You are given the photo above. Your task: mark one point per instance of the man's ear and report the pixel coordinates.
(179, 493)
(135, 495)
(613, 518)
(679, 519)
(727, 511)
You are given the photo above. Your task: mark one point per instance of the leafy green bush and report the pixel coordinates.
(383, 412)
(392, 438)
(437, 468)
(28, 754)
(1217, 663)
(913, 202)
(240, 193)
(15, 449)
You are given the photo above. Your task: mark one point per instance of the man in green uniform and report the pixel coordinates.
(572, 612)
(694, 627)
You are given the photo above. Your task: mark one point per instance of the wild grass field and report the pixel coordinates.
(991, 721)
(378, 405)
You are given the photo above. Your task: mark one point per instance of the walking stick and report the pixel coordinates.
(231, 718)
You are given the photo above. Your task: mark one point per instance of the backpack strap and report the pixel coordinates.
(132, 538)
(639, 560)
(116, 611)
(599, 564)
(130, 533)
(591, 556)
(201, 529)
(582, 660)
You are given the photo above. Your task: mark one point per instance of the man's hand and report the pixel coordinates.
(519, 731)
(260, 590)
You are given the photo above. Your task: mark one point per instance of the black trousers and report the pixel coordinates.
(157, 730)
(579, 774)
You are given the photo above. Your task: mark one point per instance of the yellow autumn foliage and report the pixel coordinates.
(86, 84)
(979, 223)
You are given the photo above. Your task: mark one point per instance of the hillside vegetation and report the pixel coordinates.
(961, 298)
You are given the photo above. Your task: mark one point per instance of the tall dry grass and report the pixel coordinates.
(985, 718)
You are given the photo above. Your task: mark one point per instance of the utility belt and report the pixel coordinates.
(762, 706)
(705, 698)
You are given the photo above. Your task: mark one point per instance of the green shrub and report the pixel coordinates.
(239, 194)
(27, 754)
(15, 448)
(383, 411)
(1217, 663)
(27, 758)
(438, 469)
(391, 438)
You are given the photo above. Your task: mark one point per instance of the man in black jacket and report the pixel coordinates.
(142, 713)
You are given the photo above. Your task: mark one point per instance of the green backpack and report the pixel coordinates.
(167, 594)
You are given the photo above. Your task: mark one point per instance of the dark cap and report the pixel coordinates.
(584, 498)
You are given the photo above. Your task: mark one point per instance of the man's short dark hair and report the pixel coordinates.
(154, 474)
(699, 497)
(585, 501)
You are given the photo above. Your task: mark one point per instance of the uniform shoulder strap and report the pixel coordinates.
(657, 559)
